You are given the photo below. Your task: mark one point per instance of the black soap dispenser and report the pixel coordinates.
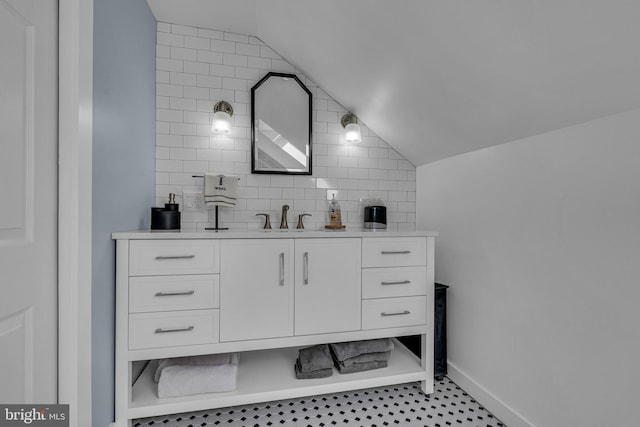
(167, 218)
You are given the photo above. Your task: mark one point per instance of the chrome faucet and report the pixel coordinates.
(283, 221)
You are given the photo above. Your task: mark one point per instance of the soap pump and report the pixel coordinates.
(335, 215)
(167, 218)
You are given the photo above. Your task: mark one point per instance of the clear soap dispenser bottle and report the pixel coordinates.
(335, 216)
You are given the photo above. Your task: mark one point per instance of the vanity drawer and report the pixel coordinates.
(394, 282)
(158, 257)
(166, 293)
(394, 312)
(394, 251)
(174, 328)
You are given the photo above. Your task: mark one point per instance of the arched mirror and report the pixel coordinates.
(280, 125)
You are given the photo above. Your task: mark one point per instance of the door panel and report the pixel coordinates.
(28, 223)
(328, 289)
(256, 289)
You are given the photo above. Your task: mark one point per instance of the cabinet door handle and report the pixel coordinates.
(403, 282)
(163, 257)
(305, 257)
(174, 293)
(398, 313)
(394, 252)
(281, 268)
(164, 331)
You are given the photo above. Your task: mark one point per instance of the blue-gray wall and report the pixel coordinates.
(123, 164)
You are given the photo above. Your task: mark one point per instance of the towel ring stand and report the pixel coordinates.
(215, 228)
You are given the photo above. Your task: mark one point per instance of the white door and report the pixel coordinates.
(328, 289)
(28, 186)
(256, 289)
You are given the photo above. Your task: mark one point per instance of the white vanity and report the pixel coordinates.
(266, 294)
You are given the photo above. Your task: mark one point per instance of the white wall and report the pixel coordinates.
(540, 242)
(196, 68)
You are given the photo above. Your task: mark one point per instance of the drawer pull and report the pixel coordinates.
(175, 293)
(395, 252)
(163, 257)
(404, 282)
(306, 268)
(164, 331)
(399, 313)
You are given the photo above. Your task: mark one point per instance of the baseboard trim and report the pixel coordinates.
(492, 403)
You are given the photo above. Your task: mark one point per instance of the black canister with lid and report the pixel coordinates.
(375, 217)
(167, 218)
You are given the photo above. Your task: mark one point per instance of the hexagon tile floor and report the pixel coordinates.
(398, 405)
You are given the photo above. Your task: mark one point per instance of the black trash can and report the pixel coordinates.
(439, 334)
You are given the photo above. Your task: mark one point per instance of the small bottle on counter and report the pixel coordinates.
(335, 216)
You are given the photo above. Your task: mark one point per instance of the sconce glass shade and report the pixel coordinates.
(352, 131)
(221, 123)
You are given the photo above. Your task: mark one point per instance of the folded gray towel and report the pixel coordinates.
(360, 367)
(320, 373)
(382, 356)
(314, 358)
(345, 350)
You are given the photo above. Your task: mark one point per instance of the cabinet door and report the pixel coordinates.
(327, 285)
(256, 289)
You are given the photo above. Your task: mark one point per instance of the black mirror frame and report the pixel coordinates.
(253, 126)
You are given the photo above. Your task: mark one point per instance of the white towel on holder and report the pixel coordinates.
(220, 190)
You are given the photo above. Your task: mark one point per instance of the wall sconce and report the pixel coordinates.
(221, 123)
(351, 128)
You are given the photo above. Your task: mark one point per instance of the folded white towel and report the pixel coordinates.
(204, 360)
(181, 380)
(220, 190)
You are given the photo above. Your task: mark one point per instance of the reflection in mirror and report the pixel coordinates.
(281, 125)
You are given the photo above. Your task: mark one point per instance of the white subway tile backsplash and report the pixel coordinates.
(182, 128)
(211, 34)
(236, 37)
(183, 29)
(166, 140)
(168, 39)
(163, 89)
(209, 155)
(183, 54)
(162, 127)
(234, 84)
(202, 43)
(163, 27)
(209, 57)
(247, 49)
(169, 115)
(167, 64)
(234, 60)
(163, 51)
(223, 46)
(195, 68)
(209, 81)
(193, 92)
(260, 63)
(168, 165)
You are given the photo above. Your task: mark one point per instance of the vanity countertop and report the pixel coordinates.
(266, 234)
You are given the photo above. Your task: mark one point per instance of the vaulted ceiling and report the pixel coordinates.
(437, 78)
